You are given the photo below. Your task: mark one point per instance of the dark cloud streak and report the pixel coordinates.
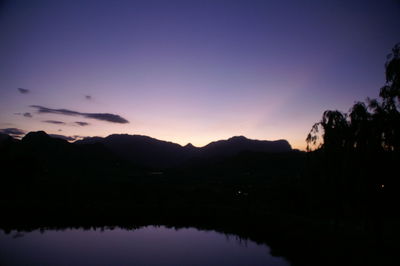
(98, 116)
(24, 114)
(68, 138)
(82, 124)
(23, 91)
(54, 122)
(14, 132)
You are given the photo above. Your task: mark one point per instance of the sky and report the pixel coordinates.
(189, 71)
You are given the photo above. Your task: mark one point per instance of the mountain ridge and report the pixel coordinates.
(145, 149)
(88, 140)
(151, 152)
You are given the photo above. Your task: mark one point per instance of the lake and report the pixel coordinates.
(150, 245)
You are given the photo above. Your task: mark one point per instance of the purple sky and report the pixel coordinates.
(189, 71)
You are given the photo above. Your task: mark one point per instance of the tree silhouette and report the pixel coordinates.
(367, 127)
(358, 152)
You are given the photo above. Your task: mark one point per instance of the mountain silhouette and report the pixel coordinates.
(140, 149)
(149, 151)
(48, 151)
(39, 154)
(239, 144)
(6, 140)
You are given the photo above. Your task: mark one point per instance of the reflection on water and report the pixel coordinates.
(144, 246)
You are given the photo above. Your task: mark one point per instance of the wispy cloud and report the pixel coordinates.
(23, 91)
(107, 117)
(98, 116)
(14, 132)
(25, 114)
(54, 122)
(82, 124)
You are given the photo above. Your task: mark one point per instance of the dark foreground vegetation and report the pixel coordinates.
(334, 205)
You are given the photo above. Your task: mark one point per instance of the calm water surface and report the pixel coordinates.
(144, 246)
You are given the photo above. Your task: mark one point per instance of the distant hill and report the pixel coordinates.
(133, 149)
(239, 144)
(141, 149)
(38, 153)
(6, 139)
(153, 152)
(120, 170)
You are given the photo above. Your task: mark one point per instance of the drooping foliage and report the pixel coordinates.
(371, 126)
(354, 156)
